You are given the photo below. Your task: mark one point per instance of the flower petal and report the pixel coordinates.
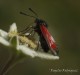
(13, 28)
(4, 42)
(27, 50)
(47, 56)
(3, 34)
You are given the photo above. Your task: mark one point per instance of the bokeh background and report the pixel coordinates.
(63, 18)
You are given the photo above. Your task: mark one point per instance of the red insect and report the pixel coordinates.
(45, 38)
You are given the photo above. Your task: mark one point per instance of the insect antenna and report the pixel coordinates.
(27, 14)
(33, 12)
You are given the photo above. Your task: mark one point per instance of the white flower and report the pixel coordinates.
(6, 38)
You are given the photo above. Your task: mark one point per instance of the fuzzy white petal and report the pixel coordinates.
(3, 33)
(47, 56)
(4, 42)
(13, 28)
(27, 50)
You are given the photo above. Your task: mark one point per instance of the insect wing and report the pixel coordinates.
(50, 40)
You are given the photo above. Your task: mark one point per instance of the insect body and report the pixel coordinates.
(45, 38)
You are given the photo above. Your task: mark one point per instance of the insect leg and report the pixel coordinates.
(27, 28)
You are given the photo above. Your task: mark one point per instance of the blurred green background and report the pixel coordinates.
(63, 18)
